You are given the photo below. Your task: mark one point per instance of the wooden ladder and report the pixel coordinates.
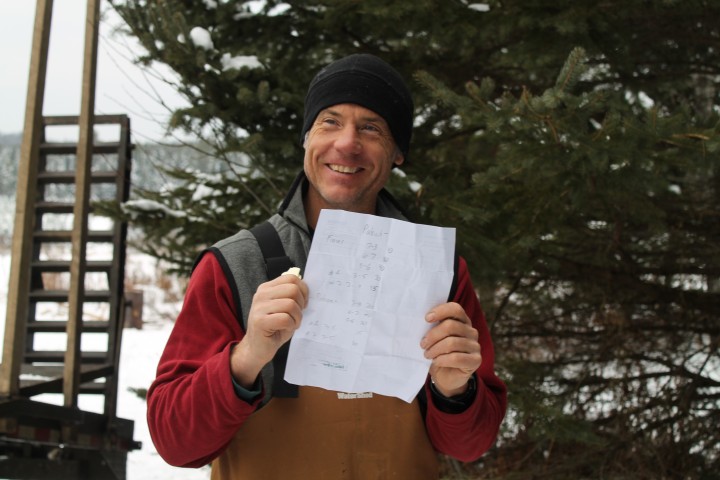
(84, 355)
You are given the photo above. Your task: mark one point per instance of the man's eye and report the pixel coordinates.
(370, 128)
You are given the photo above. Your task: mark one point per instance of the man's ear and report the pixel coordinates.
(399, 158)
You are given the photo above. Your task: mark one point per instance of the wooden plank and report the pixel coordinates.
(58, 356)
(65, 296)
(53, 381)
(58, 326)
(69, 177)
(73, 357)
(99, 236)
(71, 148)
(40, 410)
(36, 414)
(54, 207)
(118, 300)
(21, 255)
(59, 266)
(54, 120)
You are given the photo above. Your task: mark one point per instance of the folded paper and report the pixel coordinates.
(371, 281)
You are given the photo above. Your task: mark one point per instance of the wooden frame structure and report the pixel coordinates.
(88, 444)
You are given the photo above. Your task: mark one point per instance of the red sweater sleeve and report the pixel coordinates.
(193, 411)
(467, 435)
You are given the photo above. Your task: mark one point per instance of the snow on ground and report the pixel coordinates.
(140, 352)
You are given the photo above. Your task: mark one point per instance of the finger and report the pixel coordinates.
(450, 345)
(301, 286)
(449, 329)
(280, 322)
(284, 306)
(295, 289)
(465, 361)
(446, 311)
(296, 292)
(455, 363)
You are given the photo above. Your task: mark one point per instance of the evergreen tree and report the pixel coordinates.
(583, 182)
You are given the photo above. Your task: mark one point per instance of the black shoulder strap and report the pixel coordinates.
(276, 262)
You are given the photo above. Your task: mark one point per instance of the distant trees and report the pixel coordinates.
(575, 148)
(9, 154)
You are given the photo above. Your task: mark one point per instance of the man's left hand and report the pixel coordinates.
(452, 344)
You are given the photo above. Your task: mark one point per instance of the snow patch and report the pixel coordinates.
(132, 208)
(479, 7)
(203, 191)
(240, 61)
(201, 38)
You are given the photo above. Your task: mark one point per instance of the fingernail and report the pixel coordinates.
(430, 317)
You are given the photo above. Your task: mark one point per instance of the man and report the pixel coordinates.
(213, 400)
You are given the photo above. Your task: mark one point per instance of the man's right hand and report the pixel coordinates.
(275, 314)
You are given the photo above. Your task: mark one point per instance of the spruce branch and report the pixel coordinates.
(574, 67)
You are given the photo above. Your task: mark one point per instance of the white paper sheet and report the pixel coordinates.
(371, 282)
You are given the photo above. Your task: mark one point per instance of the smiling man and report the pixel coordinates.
(219, 395)
(349, 152)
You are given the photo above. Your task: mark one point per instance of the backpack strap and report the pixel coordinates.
(276, 262)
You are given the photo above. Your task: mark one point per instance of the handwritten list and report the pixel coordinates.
(371, 281)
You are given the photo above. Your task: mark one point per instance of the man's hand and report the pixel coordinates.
(275, 314)
(452, 344)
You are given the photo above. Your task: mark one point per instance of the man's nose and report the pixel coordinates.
(348, 140)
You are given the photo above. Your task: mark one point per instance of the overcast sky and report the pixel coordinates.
(121, 87)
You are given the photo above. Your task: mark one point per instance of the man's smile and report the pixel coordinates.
(343, 168)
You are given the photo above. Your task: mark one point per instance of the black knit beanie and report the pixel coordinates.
(367, 81)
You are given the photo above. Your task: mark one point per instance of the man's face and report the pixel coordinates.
(349, 153)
